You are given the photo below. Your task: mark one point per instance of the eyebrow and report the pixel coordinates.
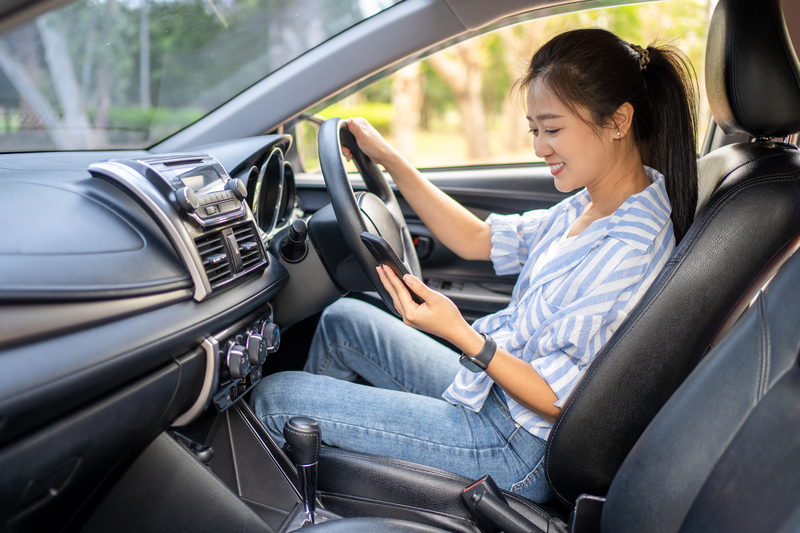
(545, 116)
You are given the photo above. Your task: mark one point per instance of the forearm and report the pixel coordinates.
(462, 232)
(516, 377)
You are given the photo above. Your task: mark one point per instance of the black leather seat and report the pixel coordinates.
(742, 234)
(721, 455)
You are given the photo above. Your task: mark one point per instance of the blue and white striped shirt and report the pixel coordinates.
(561, 316)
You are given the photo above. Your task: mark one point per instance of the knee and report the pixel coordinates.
(344, 310)
(274, 400)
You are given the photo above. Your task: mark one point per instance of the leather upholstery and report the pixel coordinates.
(358, 484)
(371, 525)
(743, 234)
(752, 70)
(722, 453)
(735, 240)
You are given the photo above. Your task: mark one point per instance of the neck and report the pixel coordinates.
(624, 178)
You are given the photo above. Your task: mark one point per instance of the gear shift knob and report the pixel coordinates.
(304, 436)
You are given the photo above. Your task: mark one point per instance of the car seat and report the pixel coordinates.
(744, 231)
(721, 455)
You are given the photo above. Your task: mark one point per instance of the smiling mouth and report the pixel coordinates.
(555, 169)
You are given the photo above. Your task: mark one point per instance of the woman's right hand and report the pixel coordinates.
(369, 140)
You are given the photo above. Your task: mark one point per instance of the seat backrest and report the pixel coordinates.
(747, 229)
(722, 454)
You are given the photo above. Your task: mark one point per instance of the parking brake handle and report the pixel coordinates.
(304, 435)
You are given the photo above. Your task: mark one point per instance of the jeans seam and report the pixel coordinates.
(518, 486)
(385, 432)
(379, 367)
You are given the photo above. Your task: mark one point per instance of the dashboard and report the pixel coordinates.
(136, 292)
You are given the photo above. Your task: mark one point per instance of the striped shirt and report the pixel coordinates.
(563, 312)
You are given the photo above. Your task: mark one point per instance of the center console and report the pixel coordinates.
(200, 208)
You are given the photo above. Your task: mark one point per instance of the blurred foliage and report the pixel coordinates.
(379, 114)
(681, 23)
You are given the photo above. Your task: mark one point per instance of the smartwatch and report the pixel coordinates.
(479, 362)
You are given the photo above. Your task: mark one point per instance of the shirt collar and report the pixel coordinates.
(640, 218)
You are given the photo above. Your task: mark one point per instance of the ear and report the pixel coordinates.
(623, 120)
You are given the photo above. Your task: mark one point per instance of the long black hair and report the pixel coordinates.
(595, 70)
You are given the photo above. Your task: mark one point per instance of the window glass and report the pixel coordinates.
(102, 74)
(305, 141)
(456, 107)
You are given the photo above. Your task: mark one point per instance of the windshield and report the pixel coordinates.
(104, 74)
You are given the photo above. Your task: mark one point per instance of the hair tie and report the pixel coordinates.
(644, 55)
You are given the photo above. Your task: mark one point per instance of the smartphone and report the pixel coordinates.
(384, 255)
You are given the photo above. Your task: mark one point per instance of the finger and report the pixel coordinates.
(419, 288)
(402, 291)
(387, 284)
(347, 153)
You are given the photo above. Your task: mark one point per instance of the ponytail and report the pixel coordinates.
(595, 70)
(671, 147)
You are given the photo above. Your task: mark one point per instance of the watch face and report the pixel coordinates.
(469, 364)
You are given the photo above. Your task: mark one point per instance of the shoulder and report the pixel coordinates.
(644, 218)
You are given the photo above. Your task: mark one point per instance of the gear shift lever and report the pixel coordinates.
(304, 435)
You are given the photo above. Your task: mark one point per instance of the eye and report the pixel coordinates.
(534, 132)
(552, 132)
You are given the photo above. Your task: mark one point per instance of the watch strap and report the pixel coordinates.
(480, 361)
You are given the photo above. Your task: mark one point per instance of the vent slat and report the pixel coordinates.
(214, 256)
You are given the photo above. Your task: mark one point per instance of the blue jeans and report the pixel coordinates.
(403, 415)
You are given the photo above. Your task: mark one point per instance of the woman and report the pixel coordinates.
(604, 115)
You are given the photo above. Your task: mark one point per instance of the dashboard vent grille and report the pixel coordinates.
(247, 241)
(215, 258)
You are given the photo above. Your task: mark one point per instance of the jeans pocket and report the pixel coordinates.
(534, 485)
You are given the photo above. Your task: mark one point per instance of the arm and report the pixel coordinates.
(458, 229)
(439, 316)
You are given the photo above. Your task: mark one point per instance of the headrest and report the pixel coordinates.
(752, 71)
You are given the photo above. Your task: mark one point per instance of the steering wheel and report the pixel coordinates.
(376, 211)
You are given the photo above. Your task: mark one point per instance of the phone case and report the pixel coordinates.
(384, 255)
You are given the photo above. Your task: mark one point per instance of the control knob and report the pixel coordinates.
(187, 199)
(237, 187)
(256, 348)
(238, 361)
(271, 334)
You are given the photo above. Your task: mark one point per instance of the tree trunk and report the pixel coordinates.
(514, 124)
(462, 70)
(407, 102)
(144, 55)
(66, 85)
(34, 99)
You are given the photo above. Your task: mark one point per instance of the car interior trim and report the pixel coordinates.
(21, 322)
(145, 193)
(211, 348)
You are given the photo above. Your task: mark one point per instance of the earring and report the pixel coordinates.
(618, 134)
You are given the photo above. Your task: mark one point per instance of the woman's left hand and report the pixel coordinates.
(437, 314)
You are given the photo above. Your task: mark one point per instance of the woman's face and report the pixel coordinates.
(578, 156)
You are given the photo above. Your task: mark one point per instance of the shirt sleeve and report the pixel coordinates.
(513, 236)
(564, 345)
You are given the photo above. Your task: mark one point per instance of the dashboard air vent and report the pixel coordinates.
(247, 241)
(215, 259)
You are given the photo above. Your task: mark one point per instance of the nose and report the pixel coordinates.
(541, 147)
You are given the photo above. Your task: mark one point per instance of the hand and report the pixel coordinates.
(369, 140)
(437, 315)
